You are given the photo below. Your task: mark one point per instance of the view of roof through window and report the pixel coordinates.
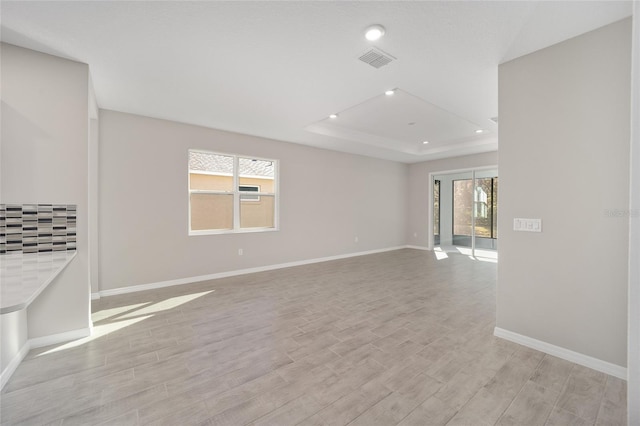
(223, 164)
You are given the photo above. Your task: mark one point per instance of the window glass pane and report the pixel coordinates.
(208, 171)
(211, 211)
(257, 173)
(462, 199)
(209, 182)
(482, 202)
(257, 213)
(209, 162)
(484, 199)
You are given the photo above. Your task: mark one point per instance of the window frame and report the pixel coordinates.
(236, 193)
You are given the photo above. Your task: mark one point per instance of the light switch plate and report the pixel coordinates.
(527, 225)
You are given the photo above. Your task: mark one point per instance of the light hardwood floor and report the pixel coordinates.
(396, 338)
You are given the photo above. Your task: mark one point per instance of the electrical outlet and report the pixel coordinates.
(415, 235)
(355, 240)
(240, 252)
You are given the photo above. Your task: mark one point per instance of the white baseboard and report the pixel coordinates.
(54, 339)
(95, 296)
(39, 342)
(190, 280)
(15, 362)
(560, 352)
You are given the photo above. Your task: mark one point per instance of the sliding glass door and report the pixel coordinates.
(475, 212)
(465, 209)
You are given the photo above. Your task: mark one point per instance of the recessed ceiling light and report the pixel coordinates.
(374, 32)
(425, 142)
(333, 116)
(389, 92)
(479, 131)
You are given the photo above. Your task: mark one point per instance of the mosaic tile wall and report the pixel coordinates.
(36, 228)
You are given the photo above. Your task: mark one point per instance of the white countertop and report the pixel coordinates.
(24, 276)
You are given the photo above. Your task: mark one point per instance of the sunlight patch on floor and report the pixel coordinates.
(164, 305)
(108, 313)
(97, 332)
(481, 255)
(440, 254)
(132, 314)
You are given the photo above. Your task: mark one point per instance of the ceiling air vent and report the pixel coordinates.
(376, 58)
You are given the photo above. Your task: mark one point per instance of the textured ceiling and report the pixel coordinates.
(278, 69)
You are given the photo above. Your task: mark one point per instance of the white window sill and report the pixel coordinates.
(232, 231)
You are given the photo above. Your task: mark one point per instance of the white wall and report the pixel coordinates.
(44, 160)
(564, 158)
(327, 199)
(13, 336)
(633, 380)
(93, 204)
(419, 198)
(93, 152)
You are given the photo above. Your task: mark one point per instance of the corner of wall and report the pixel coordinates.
(633, 342)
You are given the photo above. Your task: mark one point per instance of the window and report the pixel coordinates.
(230, 193)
